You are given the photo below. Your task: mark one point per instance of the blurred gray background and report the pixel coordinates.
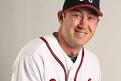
(23, 20)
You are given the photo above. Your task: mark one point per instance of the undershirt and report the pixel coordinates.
(73, 58)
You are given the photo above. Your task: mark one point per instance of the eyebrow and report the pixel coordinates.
(92, 12)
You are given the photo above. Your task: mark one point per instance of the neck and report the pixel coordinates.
(70, 51)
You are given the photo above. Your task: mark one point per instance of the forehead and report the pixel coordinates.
(84, 9)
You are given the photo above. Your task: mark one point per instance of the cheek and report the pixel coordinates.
(71, 22)
(93, 27)
(75, 22)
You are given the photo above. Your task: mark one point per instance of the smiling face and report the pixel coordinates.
(77, 26)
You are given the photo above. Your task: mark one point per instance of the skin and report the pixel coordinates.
(77, 27)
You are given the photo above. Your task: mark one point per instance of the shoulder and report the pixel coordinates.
(28, 61)
(30, 48)
(89, 53)
(91, 57)
(34, 47)
(30, 53)
(93, 65)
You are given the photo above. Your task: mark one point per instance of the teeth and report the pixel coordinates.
(81, 33)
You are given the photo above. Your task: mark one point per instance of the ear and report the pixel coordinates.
(98, 21)
(61, 16)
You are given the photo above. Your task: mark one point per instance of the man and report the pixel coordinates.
(61, 56)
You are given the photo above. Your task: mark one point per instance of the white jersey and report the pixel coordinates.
(43, 59)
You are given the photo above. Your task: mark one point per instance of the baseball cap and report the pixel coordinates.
(91, 4)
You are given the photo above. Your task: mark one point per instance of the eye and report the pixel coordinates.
(91, 17)
(76, 15)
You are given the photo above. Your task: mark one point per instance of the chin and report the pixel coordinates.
(79, 44)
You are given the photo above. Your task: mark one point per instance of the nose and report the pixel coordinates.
(83, 21)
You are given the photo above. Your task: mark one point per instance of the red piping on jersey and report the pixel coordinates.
(79, 64)
(55, 57)
(61, 62)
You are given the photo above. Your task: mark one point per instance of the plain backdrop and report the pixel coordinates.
(23, 20)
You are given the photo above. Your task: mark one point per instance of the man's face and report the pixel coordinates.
(78, 26)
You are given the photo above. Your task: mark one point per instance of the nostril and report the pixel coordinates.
(80, 27)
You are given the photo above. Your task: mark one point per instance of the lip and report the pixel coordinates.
(80, 32)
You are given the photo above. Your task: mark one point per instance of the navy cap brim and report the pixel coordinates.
(87, 6)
